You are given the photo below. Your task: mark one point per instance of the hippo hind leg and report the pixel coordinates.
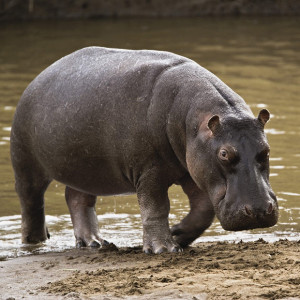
(198, 219)
(84, 218)
(31, 183)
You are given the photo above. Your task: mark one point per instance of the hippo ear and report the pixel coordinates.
(214, 123)
(263, 116)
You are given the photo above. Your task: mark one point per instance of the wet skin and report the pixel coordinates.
(109, 121)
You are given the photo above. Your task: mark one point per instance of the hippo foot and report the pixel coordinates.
(160, 245)
(35, 237)
(91, 242)
(161, 248)
(183, 236)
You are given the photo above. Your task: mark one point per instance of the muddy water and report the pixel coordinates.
(257, 57)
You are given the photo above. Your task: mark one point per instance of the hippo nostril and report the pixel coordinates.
(248, 211)
(270, 209)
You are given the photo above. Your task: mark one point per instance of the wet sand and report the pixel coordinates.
(253, 270)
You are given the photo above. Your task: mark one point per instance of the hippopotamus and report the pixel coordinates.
(110, 121)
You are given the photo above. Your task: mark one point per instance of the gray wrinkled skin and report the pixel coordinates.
(109, 121)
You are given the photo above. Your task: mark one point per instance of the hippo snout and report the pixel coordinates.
(249, 216)
(258, 213)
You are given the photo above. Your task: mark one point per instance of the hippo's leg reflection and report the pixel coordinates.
(84, 218)
(199, 218)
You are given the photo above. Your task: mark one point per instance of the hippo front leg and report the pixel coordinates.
(198, 219)
(84, 218)
(155, 206)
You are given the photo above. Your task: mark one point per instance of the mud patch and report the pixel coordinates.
(220, 270)
(254, 270)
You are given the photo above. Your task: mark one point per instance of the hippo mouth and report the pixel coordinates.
(234, 217)
(245, 223)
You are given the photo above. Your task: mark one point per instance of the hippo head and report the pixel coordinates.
(229, 159)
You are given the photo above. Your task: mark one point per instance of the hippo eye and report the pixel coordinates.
(223, 154)
(263, 157)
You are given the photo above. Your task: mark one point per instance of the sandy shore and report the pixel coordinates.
(254, 270)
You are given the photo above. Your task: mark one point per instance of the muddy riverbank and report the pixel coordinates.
(254, 270)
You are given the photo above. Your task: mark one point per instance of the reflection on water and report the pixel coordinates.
(257, 57)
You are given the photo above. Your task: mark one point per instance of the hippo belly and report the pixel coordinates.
(88, 115)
